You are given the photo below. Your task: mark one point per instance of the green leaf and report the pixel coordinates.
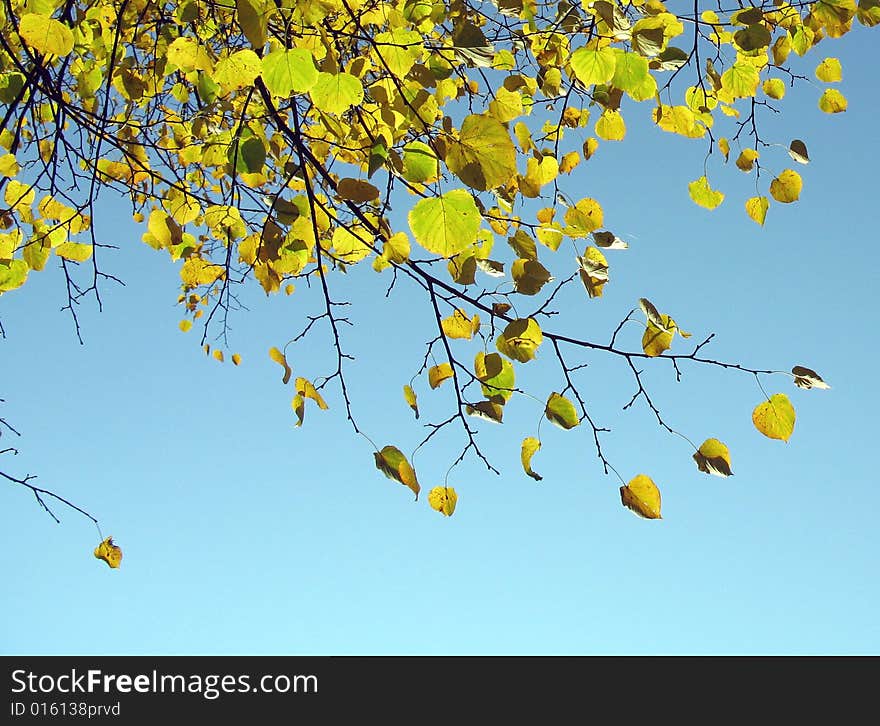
(393, 464)
(238, 70)
(420, 163)
(593, 66)
(484, 156)
(336, 92)
(45, 35)
(248, 154)
(496, 375)
(287, 71)
(520, 340)
(446, 225)
(713, 457)
(13, 274)
(775, 417)
(530, 446)
(630, 71)
(252, 18)
(561, 412)
(740, 80)
(703, 194)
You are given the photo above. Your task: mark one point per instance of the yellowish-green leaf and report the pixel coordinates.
(592, 66)
(420, 163)
(658, 338)
(530, 446)
(756, 208)
(832, 101)
(610, 126)
(496, 375)
(409, 396)
(459, 325)
(238, 70)
(281, 360)
(807, 378)
(829, 71)
(740, 80)
(109, 552)
(786, 187)
(774, 87)
(642, 496)
(561, 412)
(594, 271)
(713, 457)
(253, 19)
(446, 225)
(393, 464)
(45, 35)
(13, 274)
(74, 251)
(443, 500)
(584, 217)
(703, 194)
(336, 92)
(775, 417)
(630, 71)
(287, 71)
(439, 373)
(868, 13)
(484, 156)
(520, 340)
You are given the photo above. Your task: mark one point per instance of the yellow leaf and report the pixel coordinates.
(569, 162)
(774, 87)
(724, 145)
(829, 71)
(304, 387)
(756, 208)
(703, 194)
(746, 160)
(196, 272)
(530, 446)
(281, 360)
(74, 251)
(188, 55)
(218, 355)
(109, 552)
(8, 165)
(443, 499)
(238, 70)
(393, 464)
(438, 374)
(459, 325)
(298, 404)
(409, 396)
(713, 457)
(520, 339)
(611, 126)
(236, 359)
(185, 325)
(642, 496)
(775, 417)
(786, 187)
(832, 101)
(46, 35)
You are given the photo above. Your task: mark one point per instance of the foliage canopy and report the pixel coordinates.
(267, 141)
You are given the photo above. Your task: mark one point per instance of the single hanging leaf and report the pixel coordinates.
(746, 160)
(658, 338)
(496, 376)
(642, 496)
(530, 446)
(832, 101)
(807, 378)
(281, 360)
(713, 457)
(756, 208)
(529, 276)
(774, 87)
(609, 241)
(486, 410)
(703, 194)
(561, 412)
(651, 313)
(45, 35)
(829, 71)
(109, 552)
(446, 225)
(393, 464)
(410, 396)
(594, 271)
(775, 417)
(356, 190)
(420, 163)
(786, 188)
(443, 499)
(438, 374)
(798, 151)
(520, 340)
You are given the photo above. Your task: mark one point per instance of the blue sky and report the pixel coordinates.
(244, 535)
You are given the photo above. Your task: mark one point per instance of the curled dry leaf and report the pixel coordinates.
(109, 552)
(443, 499)
(807, 378)
(713, 457)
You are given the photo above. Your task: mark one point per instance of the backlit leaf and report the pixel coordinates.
(336, 92)
(420, 163)
(109, 552)
(459, 325)
(756, 208)
(393, 464)
(829, 71)
(409, 396)
(443, 500)
(786, 187)
(520, 339)
(45, 35)
(774, 87)
(561, 412)
(238, 70)
(286, 71)
(305, 388)
(703, 194)
(439, 373)
(484, 156)
(281, 360)
(713, 457)
(446, 225)
(530, 446)
(496, 375)
(740, 80)
(611, 126)
(641, 496)
(592, 66)
(74, 251)
(832, 101)
(775, 417)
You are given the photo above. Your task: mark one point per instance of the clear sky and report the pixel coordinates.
(244, 535)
